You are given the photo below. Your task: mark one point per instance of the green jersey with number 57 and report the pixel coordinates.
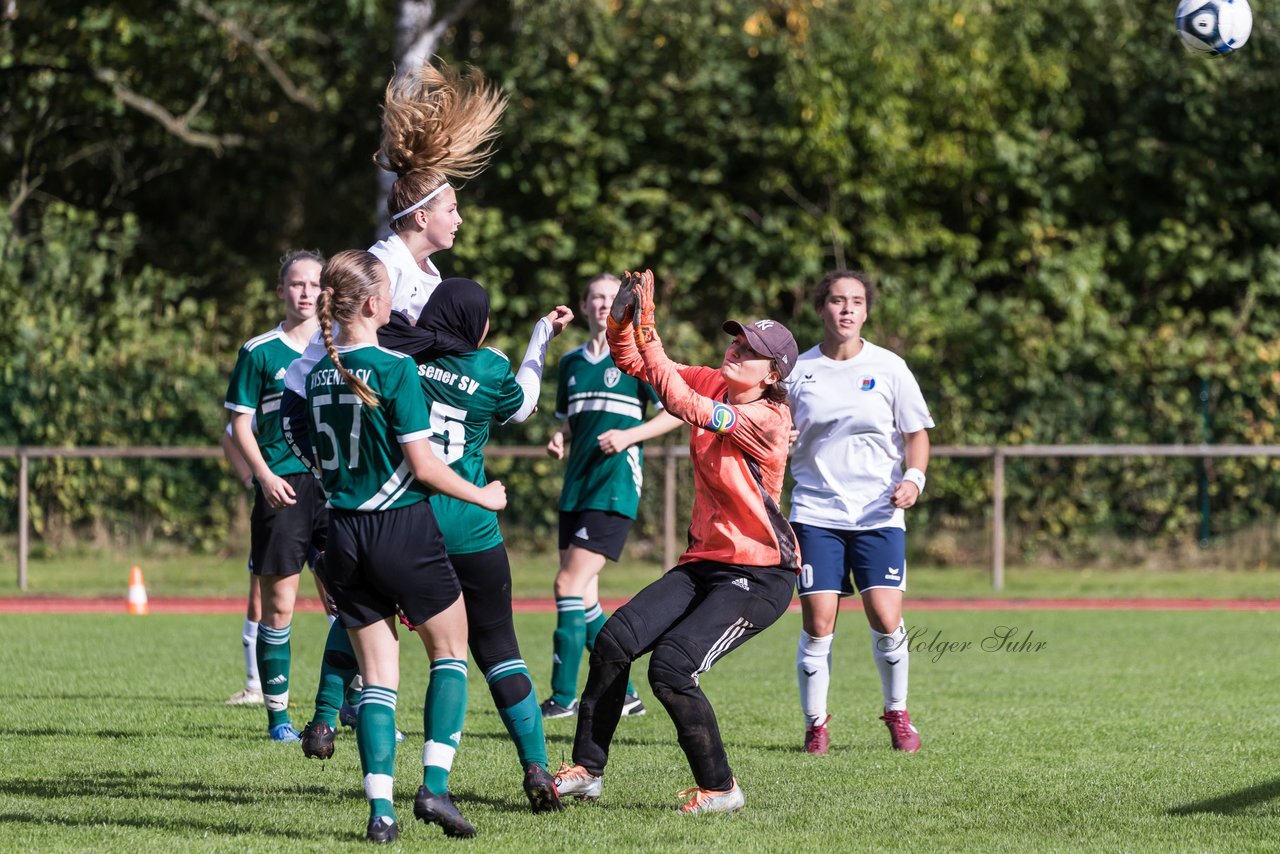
(465, 394)
(357, 447)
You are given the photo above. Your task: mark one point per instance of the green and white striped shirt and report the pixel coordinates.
(257, 381)
(362, 465)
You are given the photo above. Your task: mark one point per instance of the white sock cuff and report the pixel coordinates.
(438, 754)
(249, 633)
(815, 647)
(379, 787)
(569, 603)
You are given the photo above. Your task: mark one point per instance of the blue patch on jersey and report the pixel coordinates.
(868, 383)
(723, 418)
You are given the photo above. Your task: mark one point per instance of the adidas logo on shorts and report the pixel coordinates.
(741, 582)
(582, 533)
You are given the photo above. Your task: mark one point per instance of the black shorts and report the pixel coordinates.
(596, 531)
(392, 560)
(282, 540)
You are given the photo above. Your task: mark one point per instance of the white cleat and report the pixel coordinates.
(246, 697)
(574, 781)
(708, 800)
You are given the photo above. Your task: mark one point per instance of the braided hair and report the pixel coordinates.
(346, 282)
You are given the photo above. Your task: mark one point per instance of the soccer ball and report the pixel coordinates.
(1214, 27)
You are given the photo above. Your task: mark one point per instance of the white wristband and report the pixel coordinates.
(914, 476)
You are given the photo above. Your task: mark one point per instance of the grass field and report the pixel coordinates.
(106, 574)
(1126, 731)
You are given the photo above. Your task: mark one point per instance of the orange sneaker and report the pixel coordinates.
(709, 800)
(577, 782)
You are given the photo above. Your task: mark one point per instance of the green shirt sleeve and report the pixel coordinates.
(406, 407)
(244, 390)
(510, 397)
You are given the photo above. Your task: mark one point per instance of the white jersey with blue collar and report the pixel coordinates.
(850, 416)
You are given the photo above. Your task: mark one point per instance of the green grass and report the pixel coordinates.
(106, 574)
(1143, 731)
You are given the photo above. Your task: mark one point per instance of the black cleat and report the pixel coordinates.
(552, 710)
(317, 740)
(439, 809)
(382, 830)
(540, 788)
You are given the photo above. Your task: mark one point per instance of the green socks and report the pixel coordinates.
(513, 695)
(376, 740)
(273, 669)
(337, 669)
(566, 645)
(442, 717)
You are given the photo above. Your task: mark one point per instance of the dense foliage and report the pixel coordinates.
(1074, 222)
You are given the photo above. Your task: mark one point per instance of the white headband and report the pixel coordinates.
(428, 197)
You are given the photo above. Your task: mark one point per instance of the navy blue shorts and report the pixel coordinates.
(848, 562)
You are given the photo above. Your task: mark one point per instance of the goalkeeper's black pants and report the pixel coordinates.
(689, 619)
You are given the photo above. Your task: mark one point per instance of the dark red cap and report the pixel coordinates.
(768, 338)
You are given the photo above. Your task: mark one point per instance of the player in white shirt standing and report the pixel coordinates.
(859, 459)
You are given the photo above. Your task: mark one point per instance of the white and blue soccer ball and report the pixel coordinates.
(1214, 27)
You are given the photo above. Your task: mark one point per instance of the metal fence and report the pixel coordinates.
(998, 454)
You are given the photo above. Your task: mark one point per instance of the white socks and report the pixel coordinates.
(249, 637)
(890, 654)
(813, 669)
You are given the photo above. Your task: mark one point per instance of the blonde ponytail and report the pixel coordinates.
(346, 282)
(437, 124)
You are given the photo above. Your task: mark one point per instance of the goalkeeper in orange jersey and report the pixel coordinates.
(737, 576)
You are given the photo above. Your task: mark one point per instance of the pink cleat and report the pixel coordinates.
(816, 738)
(905, 737)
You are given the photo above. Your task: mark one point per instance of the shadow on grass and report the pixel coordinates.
(182, 827)
(226, 733)
(149, 786)
(1232, 802)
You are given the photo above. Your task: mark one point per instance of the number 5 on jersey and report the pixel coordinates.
(448, 431)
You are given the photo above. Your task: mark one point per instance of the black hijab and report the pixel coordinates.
(451, 322)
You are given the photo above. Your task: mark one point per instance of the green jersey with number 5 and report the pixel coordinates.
(358, 447)
(465, 394)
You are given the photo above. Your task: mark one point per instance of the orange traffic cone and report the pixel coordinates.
(137, 592)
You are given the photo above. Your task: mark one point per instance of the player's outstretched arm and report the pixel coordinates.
(529, 376)
(621, 334)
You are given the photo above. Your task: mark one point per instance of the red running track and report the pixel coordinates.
(205, 605)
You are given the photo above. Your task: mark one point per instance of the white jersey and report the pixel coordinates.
(848, 457)
(411, 287)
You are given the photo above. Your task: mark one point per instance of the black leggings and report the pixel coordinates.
(689, 619)
(491, 632)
